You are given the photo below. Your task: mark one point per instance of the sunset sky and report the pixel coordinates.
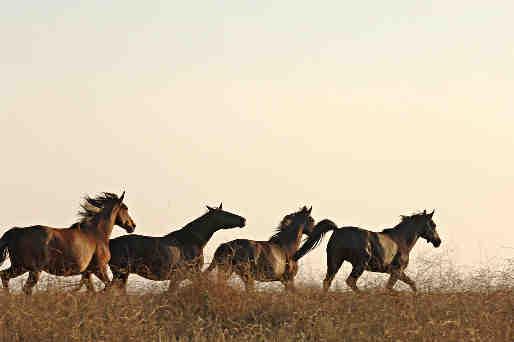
(365, 110)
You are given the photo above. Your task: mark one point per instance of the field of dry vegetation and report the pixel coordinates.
(478, 307)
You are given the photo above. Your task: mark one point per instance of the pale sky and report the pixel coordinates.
(365, 110)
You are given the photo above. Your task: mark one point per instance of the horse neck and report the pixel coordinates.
(289, 239)
(103, 224)
(197, 232)
(407, 233)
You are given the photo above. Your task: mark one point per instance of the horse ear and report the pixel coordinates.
(310, 210)
(210, 208)
(431, 214)
(221, 206)
(122, 197)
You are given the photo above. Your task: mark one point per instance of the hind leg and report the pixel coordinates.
(249, 283)
(11, 272)
(333, 265)
(351, 281)
(31, 282)
(224, 272)
(119, 279)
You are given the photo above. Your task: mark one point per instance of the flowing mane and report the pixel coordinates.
(285, 224)
(405, 219)
(186, 234)
(91, 207)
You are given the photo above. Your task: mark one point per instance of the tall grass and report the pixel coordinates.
(477, 307)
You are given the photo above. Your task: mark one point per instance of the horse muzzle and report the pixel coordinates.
(436, 243)
(130, 227)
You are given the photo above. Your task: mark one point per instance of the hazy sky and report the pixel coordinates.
(365, 110)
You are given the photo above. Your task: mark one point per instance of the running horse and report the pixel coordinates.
(265, 261)
(176, 256)
(82, 248)
(384, 252)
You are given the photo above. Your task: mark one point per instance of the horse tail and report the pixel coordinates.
(315, 238)
(4, 245)
(221, 255)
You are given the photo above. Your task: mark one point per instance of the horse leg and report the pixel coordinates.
(224, 271)
(85, 280)
(333, 266)
(351, 281)
(31, 282)
(407, 280)
(393, 278)
(175, 277)
(101, 273)
(249, 283)
(289, 285)
(11, 272)
(119, 279)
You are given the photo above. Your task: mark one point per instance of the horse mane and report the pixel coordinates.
(185, 235)
(91, 207)
(284, 225)
(405, 219)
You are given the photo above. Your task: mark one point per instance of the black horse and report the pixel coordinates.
(176, 256)
(385, 252)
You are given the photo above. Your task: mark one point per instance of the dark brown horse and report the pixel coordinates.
(82, 248)
(265, 261)
(176, 256)
(385, 252)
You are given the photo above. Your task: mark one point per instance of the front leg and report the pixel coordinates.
(407, 280)
(289, 285)
(102, 274)
(99, 264)
(85, 280)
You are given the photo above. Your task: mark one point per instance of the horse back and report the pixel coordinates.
(349, 238)
(132, 246)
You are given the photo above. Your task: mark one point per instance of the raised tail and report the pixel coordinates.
(315, 238)
(4, 245)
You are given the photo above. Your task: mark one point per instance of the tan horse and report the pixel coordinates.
(82, 248)
(175, 257)
(265, 261)
(384, 252)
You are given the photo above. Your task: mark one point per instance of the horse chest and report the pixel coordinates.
(384, 252)
(272, 265)
(389, 248)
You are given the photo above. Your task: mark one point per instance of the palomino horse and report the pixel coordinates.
(175, 257)
(82, 248)
(265, 261)
(385, 252)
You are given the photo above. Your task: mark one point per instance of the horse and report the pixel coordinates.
(176, 256)
(384, 252)
(83, 248)
(265, 261)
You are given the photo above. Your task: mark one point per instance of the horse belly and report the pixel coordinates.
(159, 265)
(71, 259)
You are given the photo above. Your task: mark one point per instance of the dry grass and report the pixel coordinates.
(208, 312)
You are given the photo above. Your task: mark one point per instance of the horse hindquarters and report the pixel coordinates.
(222, 261)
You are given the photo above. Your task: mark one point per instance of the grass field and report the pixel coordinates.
(480, 308)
